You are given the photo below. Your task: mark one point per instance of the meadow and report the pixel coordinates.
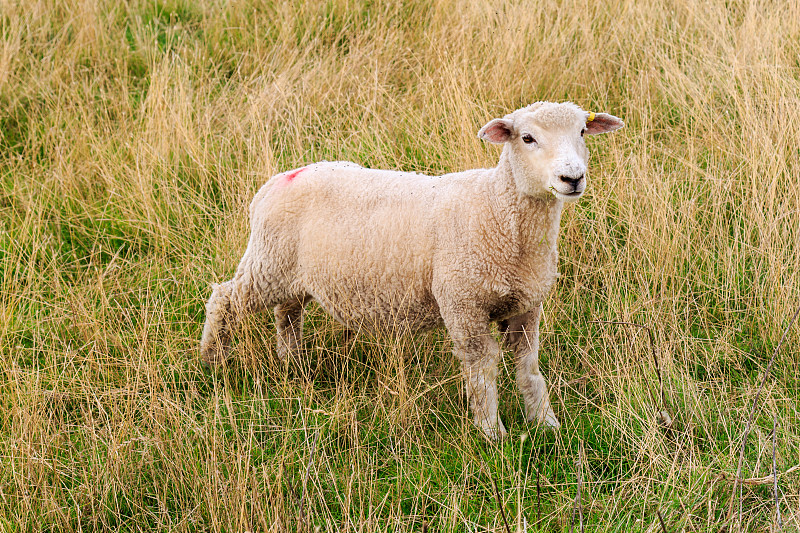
(133, 135)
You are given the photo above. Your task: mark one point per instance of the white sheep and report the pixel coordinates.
(384, 250)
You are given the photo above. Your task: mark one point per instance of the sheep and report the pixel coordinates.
(381, 250)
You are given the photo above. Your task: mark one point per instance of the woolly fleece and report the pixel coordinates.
(399, 252)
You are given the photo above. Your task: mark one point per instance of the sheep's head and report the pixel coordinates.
(545, 146)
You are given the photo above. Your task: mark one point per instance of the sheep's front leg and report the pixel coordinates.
(479, 353)
(522, 336)
(289, 325)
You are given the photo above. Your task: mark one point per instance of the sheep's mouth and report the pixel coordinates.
(569, 196)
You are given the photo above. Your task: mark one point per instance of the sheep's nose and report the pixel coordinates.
(569, 180)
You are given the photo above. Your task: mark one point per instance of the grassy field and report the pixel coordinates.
(132, 137)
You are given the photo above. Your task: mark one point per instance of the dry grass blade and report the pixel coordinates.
(498, 498)
(578, 505)
(500, 504)
(767, 371)
(305, 478)
(661, 521)
(538, 495)
(775, 470)
(763, 480)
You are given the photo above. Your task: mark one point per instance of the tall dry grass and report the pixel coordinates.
(132, 136)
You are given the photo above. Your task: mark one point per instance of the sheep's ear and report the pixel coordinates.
(497, 131)
(602, 123)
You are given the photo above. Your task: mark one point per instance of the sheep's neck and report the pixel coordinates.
(530, 224)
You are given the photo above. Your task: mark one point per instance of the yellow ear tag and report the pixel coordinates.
(590, 117)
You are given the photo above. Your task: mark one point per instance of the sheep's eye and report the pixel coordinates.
(583, 131)
(528, 138)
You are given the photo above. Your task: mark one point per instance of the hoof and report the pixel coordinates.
(551, 421)
(281, 353)
(547, 419)
(494, 432)
(210, 363)
(287, 353)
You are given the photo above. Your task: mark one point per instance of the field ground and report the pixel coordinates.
(132, 137)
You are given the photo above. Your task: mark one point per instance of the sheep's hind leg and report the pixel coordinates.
(289, 325)
(479, 353)
(522, 336)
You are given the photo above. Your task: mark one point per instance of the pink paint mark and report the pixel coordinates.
(293, 174)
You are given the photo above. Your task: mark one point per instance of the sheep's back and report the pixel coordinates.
(361, 240)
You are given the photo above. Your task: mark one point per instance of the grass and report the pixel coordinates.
(132, 137)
